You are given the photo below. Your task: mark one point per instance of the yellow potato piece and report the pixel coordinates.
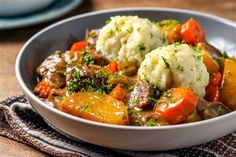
(97, 107)
(228, 91)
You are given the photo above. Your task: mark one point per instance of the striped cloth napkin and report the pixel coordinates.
(20, 122)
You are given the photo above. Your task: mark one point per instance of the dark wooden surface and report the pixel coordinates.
(12, 40)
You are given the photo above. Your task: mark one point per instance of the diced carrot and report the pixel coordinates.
(118, 92)
(212, 89)
(43, 88)
(113, 67)
(79, 46)
(176, 104)
(212, 93)
(192, 32)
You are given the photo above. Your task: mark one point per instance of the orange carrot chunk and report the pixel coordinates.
(113, 67)
(79, 46)
(192, 32)
(118, 92)
(176, 104)
(43, 88)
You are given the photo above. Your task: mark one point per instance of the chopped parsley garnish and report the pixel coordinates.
(198, 51)
(151, 122)
(142, 49)
(163, 40)
(107, 21)
(158, 93)
(60, 53)
(180, 68)
(88, 59)
(102, 73)
(166, 63)
(104, 89)
(151, 35)
(84, 108)
(92, 34)
(111, 33)
(139, 29)
(118, 29)
(136, 113)
(135, 101)
(219, 109)
(76, 75)
(130, 30)
(145, 78)
(128, 87)
(174, 52)
(73, 87)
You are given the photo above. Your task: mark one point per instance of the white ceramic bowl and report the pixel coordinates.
(18, 7)
(62, 34)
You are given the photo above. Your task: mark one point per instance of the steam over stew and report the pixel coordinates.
(134, 71)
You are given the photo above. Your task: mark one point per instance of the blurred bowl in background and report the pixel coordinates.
(19, 7)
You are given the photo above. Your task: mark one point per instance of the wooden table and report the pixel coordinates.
(12, 40)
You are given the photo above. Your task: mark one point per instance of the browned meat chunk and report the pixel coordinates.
(145, 117)
(209, 110)
(142, 95)
(86, 78)
(53, 68)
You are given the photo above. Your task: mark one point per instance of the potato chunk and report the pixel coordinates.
(97, 107)
(228, 90)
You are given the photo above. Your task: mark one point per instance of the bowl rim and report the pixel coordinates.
(30, 94)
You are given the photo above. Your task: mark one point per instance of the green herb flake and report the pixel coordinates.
(111, 33)
(107, 21)
(136, 113)
(180, 68)
(219, 109)
(174, 52)
(142, 49)
(163, 40)
(84, 108)
(139, 29)
(166, 63)
(76, 75)
(60, 53)
(118, 29)
(128, 87)
(151, 122)
(88, 59)
(145, 78)
(102, 73)
(73, 87)
(92, 34)
(104, 89)
(151, 35)
(130, 30)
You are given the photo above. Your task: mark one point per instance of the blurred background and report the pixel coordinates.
(20, 19)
